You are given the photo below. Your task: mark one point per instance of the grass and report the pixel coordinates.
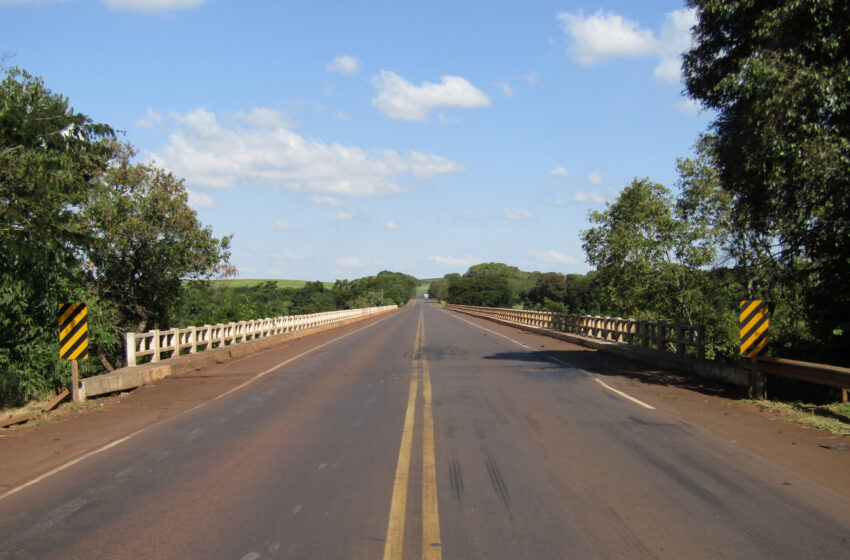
(422, 289)
(833, 418)
(248, 282)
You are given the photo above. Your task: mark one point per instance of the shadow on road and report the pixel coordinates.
(612, 366)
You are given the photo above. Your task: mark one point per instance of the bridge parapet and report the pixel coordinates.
(159, 345)
(673, 337)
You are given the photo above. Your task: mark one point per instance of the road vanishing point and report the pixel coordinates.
(420, 434)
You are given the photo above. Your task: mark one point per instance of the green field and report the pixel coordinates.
(248, 282)
(422, 288)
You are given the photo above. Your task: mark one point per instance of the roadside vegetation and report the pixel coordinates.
(831, 417)
(761, 210)
(81, 220)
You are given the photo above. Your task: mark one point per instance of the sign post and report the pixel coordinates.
(74, 340)
(754, 322)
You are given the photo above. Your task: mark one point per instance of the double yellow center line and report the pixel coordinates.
(431, 544)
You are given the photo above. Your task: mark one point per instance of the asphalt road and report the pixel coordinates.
(425, 434)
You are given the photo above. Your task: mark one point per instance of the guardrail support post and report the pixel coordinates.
(756, 389)
(680, 339)
(130, 341)
(155, 345)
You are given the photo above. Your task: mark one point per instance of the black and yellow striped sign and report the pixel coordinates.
(73, 331)
(754, 323)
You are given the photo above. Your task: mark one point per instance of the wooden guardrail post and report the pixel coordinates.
(756, 389)
(680, 338)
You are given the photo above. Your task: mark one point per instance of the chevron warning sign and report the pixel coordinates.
(754, 322)
(73, 331)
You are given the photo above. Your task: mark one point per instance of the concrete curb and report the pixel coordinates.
(706, 369)
(131, 377)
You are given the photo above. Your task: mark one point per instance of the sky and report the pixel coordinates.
(338, 139)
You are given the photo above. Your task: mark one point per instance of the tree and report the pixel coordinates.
(50, 156)
(648, 257)
(148, 241)
(778, 76)
(549, 287)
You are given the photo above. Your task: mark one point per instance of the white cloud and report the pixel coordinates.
(399, 99)
(340, 116)
(454, 261)
(328, 201)
(585, 197)
(283, 226)
(506, 88)
(668, 70)
(199, 200)
(447, 120)
(339, 216)
(258, 148)
(689, 107)
(152, 119)
(349, 262)
(516, 214)
(150, 6)
(604, 36)
(530, 78)
(552, 256)
(595, 178)
(391, 225)
(559, 172)
(347, 65)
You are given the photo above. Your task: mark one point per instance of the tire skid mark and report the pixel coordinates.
(497, 480)
(451, 428)
(478, 429)
(456, 478)
(681, 478)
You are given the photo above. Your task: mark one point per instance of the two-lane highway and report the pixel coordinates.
(425, 434)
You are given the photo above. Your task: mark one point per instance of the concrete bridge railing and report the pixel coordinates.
(674, 337)
(159, 345)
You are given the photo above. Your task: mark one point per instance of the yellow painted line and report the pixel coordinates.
(394, 544)
(431, 544)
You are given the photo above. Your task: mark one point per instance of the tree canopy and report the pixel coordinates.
(80, 222)
(778, 76)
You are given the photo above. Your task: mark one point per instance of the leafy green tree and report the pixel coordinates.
(549, 287)
(650, 259)
(778, 76)
(50, 156)
(482, 290)
(148, 241)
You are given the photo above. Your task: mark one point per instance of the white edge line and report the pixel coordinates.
(119, 441)
(563, 363)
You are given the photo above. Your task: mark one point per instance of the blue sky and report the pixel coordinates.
(338, 139)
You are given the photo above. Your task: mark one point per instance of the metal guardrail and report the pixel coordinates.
(675, 337)
(821, 374)
(170, 343)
